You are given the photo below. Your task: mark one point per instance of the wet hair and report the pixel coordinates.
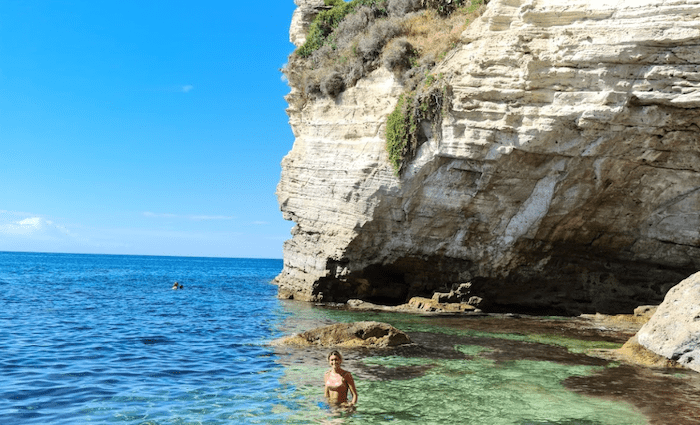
(335, 353)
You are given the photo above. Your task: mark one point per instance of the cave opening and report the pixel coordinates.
(387, 285)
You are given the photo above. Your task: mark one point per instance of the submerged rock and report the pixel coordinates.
(356, 334)
(674, 330)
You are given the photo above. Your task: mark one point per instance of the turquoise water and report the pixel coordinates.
(456, 375)
(103, 339)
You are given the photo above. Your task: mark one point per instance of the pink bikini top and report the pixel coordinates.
(336, 382)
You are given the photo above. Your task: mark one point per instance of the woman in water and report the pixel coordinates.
(338, 382)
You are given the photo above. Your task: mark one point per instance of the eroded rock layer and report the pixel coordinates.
(565, 175)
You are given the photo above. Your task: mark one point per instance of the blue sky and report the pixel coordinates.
(143, 127)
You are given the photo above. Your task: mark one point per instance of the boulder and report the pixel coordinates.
(357, 334)
(674, 330)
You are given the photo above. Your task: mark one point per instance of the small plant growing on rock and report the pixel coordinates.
(328, 20)
(400, 55)
(402, 7)
(373, 41)
(397, 134)
(445, 7)
(332, 84)
(404, 128)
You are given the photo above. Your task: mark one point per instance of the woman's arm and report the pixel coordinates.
(325, 384)
(351, 386)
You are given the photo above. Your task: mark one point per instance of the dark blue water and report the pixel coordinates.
(104, 339)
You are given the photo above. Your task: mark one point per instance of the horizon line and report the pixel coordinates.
(137, 255)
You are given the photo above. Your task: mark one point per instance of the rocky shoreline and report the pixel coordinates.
(661, 388)
(665, 395)
(632, 352)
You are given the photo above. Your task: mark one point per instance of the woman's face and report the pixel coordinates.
(334, 360)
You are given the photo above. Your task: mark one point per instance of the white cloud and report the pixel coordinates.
(30, 232)
(33, 228)
(32, 222)
(26, 226)
(187, 88)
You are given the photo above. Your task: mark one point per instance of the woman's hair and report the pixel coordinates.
(335, 353)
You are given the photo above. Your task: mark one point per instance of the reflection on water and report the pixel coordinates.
(488, 370)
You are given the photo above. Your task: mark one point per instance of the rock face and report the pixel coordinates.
(565, 175)
(357, 334)
(674, 330)
(303, 15)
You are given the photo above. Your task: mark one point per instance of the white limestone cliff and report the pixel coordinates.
(303, 15)
(565, 175)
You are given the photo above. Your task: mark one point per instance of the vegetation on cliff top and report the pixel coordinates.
(351, 39)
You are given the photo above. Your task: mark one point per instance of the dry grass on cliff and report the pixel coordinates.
(434, 35)
(356, 51)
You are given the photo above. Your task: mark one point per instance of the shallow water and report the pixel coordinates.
(499, 369)
(103, 339)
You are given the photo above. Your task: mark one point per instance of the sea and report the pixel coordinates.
(103, 339)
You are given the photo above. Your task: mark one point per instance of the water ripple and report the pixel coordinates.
(104, 339)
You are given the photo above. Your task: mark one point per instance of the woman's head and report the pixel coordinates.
(335, 356)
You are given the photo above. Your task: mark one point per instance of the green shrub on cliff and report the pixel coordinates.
(400, 55)
(445, 7)
(404, 128)
(351, 39)
(397, 134)
(328, 20)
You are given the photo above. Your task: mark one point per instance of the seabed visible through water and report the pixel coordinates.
(490, 370)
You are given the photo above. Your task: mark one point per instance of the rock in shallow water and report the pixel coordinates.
(417, 305)
(356, 334)
(674, 330)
